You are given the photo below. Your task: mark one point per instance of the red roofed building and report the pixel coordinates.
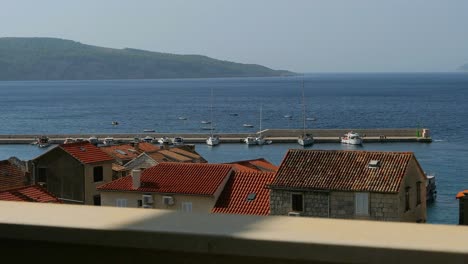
(387, 186)
(246, 193)
(73, 171)
(12, 174)
(127, 152)
(176, 186)
(260, 164)
(33, 193)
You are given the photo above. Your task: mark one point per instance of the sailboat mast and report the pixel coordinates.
(211, 115)
(260, 120)
(303, 110)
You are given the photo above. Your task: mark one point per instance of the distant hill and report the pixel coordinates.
(58, 59)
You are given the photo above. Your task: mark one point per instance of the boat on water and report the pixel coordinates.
(287, 116)
(206, 122)
(311, 119)
(351, 138)
(234, 114)
(148, 139)
(93, 140)
(108, 141)
(304, 139)
(164, 140)
(115, 123)
(431, 192)
(68, 140)
(212, 140)
(149, 130)
(248, 125)
(258, 140)
(43, 142)
(182, 118)
(177, 141)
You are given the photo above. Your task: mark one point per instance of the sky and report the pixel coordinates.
(296, 35)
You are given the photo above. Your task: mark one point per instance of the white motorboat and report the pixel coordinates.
(164, 140)
(177, 141)
(108, 141)
(148, 139)
(351, 138)
(43, 142)
(250, 141)
(115, 123)
(93, 140)
(248, 125)
(213, 140)
(304, 139)
(288, 116)
(149, 130)
(206, 122)
(182, 118)
(68, 141)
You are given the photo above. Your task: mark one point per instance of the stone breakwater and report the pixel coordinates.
(276, 135)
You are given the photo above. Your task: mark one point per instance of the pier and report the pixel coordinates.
(276, 135)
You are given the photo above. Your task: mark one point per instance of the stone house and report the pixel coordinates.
(188, 187)
(14, 173)
(73, 171)
(388, 186)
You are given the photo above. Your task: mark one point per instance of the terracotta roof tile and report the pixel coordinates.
(461, 194)
(233, 199)
(33, 193)
(175, 156)
(147, 147)
(86, 153)
(181, 178)
(11, 176)
(260, 164)
(191, 154)
(118, 167)
(342, 170)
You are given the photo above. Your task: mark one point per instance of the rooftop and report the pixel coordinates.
(86, 152)
(245, 193)
(129, 151)
(171, 177)
(33, 193)
(342, 170)
(260, 164)
(11, 176)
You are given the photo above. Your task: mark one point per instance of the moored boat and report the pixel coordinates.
(43, 142)
(148, 139)
(93, 140)
(431, 192)
(68, 140)
(177, 141)
(164, 140)
(247, 125)
(304, 139)
(213, 140)
(351, 138)
(109, 141)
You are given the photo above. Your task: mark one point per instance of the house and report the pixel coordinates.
(463, 207)
(387, 186)
(73, 171)
(260, 164)
(171, 185)
(32, 193)
(175, 154)
(127, 152)
(13, 173)
(245, 193)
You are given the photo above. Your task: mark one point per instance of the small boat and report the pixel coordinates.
(311, 119)
(431, 192)
(287, 116)
(234, 114)
(164, 140)
(247, 125)
(259, 140)
(109, 141)
(304, 139)
(115, 123)
(68, 141)
(148, 139)
(149, 130)
(213, 140)
(351, 138)
(93, 140)
(206, 122)
(177, 141)
(43, 142)
(182, 118)
(250, 141)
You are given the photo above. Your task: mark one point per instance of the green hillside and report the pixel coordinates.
(58, 59)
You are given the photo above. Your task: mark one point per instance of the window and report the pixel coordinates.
(418, 193)
(98, 174)
(187, 207)
(121, 202)
(42, 175)
(297, 202)
(140, 203)
(407, 199)
(362, 203)
(97, 199)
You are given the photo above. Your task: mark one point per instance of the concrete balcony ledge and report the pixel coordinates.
(106, 234)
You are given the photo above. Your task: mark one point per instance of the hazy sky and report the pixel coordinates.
(303, 36)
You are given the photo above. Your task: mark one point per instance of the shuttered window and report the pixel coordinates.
(362, 203)
(121, 202)
(187, 207)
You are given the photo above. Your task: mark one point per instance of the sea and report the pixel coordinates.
(437, 101)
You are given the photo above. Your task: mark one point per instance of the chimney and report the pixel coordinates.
(136, 179)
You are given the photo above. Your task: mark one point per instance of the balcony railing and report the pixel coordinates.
(76, 233)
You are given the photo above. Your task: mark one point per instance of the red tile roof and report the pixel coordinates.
(86, 153)
(33, 193)
(233, 199)
(180, 178)
(147, 147)
(461, 194)
(129, 151)
(11, 176)
(342, 170)
(260, 164)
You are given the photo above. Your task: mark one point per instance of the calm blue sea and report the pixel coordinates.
(436, 101)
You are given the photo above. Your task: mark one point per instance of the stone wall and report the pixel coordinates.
(314, 203)
(384, 207)
(342, 205)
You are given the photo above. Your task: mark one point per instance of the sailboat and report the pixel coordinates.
(213, 140)
(304, 139)
(259, 140)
